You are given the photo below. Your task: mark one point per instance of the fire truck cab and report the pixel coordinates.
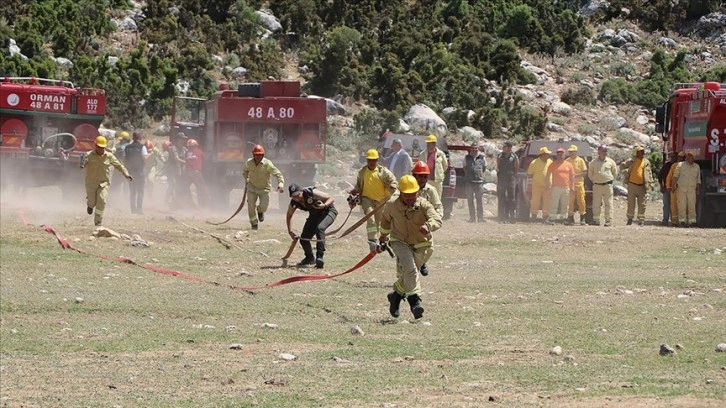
(45, 126)
(292, 129)
(693, 120)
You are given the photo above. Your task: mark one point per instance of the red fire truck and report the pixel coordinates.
(292, 129)
(694, 120)
(45, 126)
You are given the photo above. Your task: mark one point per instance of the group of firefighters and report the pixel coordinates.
(403, 210)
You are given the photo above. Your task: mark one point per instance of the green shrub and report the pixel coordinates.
(581, 95)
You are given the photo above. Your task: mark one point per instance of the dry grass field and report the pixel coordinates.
(79, 330)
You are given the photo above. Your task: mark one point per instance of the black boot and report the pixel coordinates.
(308, 260)
(424, 270)
(394, 301)
(319, 263)
(414, 301)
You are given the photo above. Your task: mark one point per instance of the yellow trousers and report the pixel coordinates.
(579, 196)
(540, 199)
(674, 208)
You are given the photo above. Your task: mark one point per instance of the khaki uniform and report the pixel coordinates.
(438, 172)
(602, 173)
(258, 177)
(368, 204)
(578, 196)
(412, 248)
(637, 186)
(98, 180)
(687, 178)
(430, 194)
(540, 198)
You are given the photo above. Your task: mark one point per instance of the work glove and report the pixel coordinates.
(280, 188)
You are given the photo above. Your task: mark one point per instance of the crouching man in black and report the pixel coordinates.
(322, 215)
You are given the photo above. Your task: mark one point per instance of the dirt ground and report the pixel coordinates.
(499, 297)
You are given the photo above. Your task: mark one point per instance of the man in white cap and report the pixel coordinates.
(639, 175)
(537, 170)
(687, 182)
(602, 172)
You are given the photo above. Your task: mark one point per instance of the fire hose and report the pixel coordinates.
(249, 289)
(239, 208)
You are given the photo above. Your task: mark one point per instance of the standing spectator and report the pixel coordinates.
(686, 183)
(98, 163)
(421, 173)
(560, 181)
(537, 170)
(602, 172)
(322, 214)
(639, 175)
(399, 161)
(153, 168)
(474, 166)
(437, 162)
(507, 166)
(673, 193)
(665, 191)
(375, 184)
(409, 220)
(119, 150)
(257, 174)
(135, 155)
(194, 162)
(578, 194)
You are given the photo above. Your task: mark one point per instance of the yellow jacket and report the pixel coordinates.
(389, 180)
(402, 222)
(538, 171)
(258, 175)
(98, 168)
(441, 163)
(578, 163)
(647, 170)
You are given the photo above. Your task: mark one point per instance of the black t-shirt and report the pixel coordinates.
(309, 201)
(134, 157)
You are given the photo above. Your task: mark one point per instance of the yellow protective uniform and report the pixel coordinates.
(389, 185)
(578, 163)
(412, 248)
(537, 170)
(258, 178)
(98, 180)
(441, 164)
(431, 195)
(673, 193)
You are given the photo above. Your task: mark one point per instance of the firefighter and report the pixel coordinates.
(98, 163)
(409, 220)
(578, 194)
(537, 170)
(119, 150)
(257, 173)
(322, 214)
(673, 193)
(421, 173)
(602, 171)
(639, 175)
(375, 184)
(664, 189)
(175, 171)
(154, 166)
(560, 180)
(507, 165)
(686, 183)
(135, 155)
(437, 162)
(193, 170)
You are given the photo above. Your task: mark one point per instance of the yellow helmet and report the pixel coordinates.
(123, 135)
(101, 141)
(372, 154)
(408, 184)
(431, 139)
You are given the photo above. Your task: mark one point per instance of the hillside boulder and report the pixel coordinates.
(422, 117)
